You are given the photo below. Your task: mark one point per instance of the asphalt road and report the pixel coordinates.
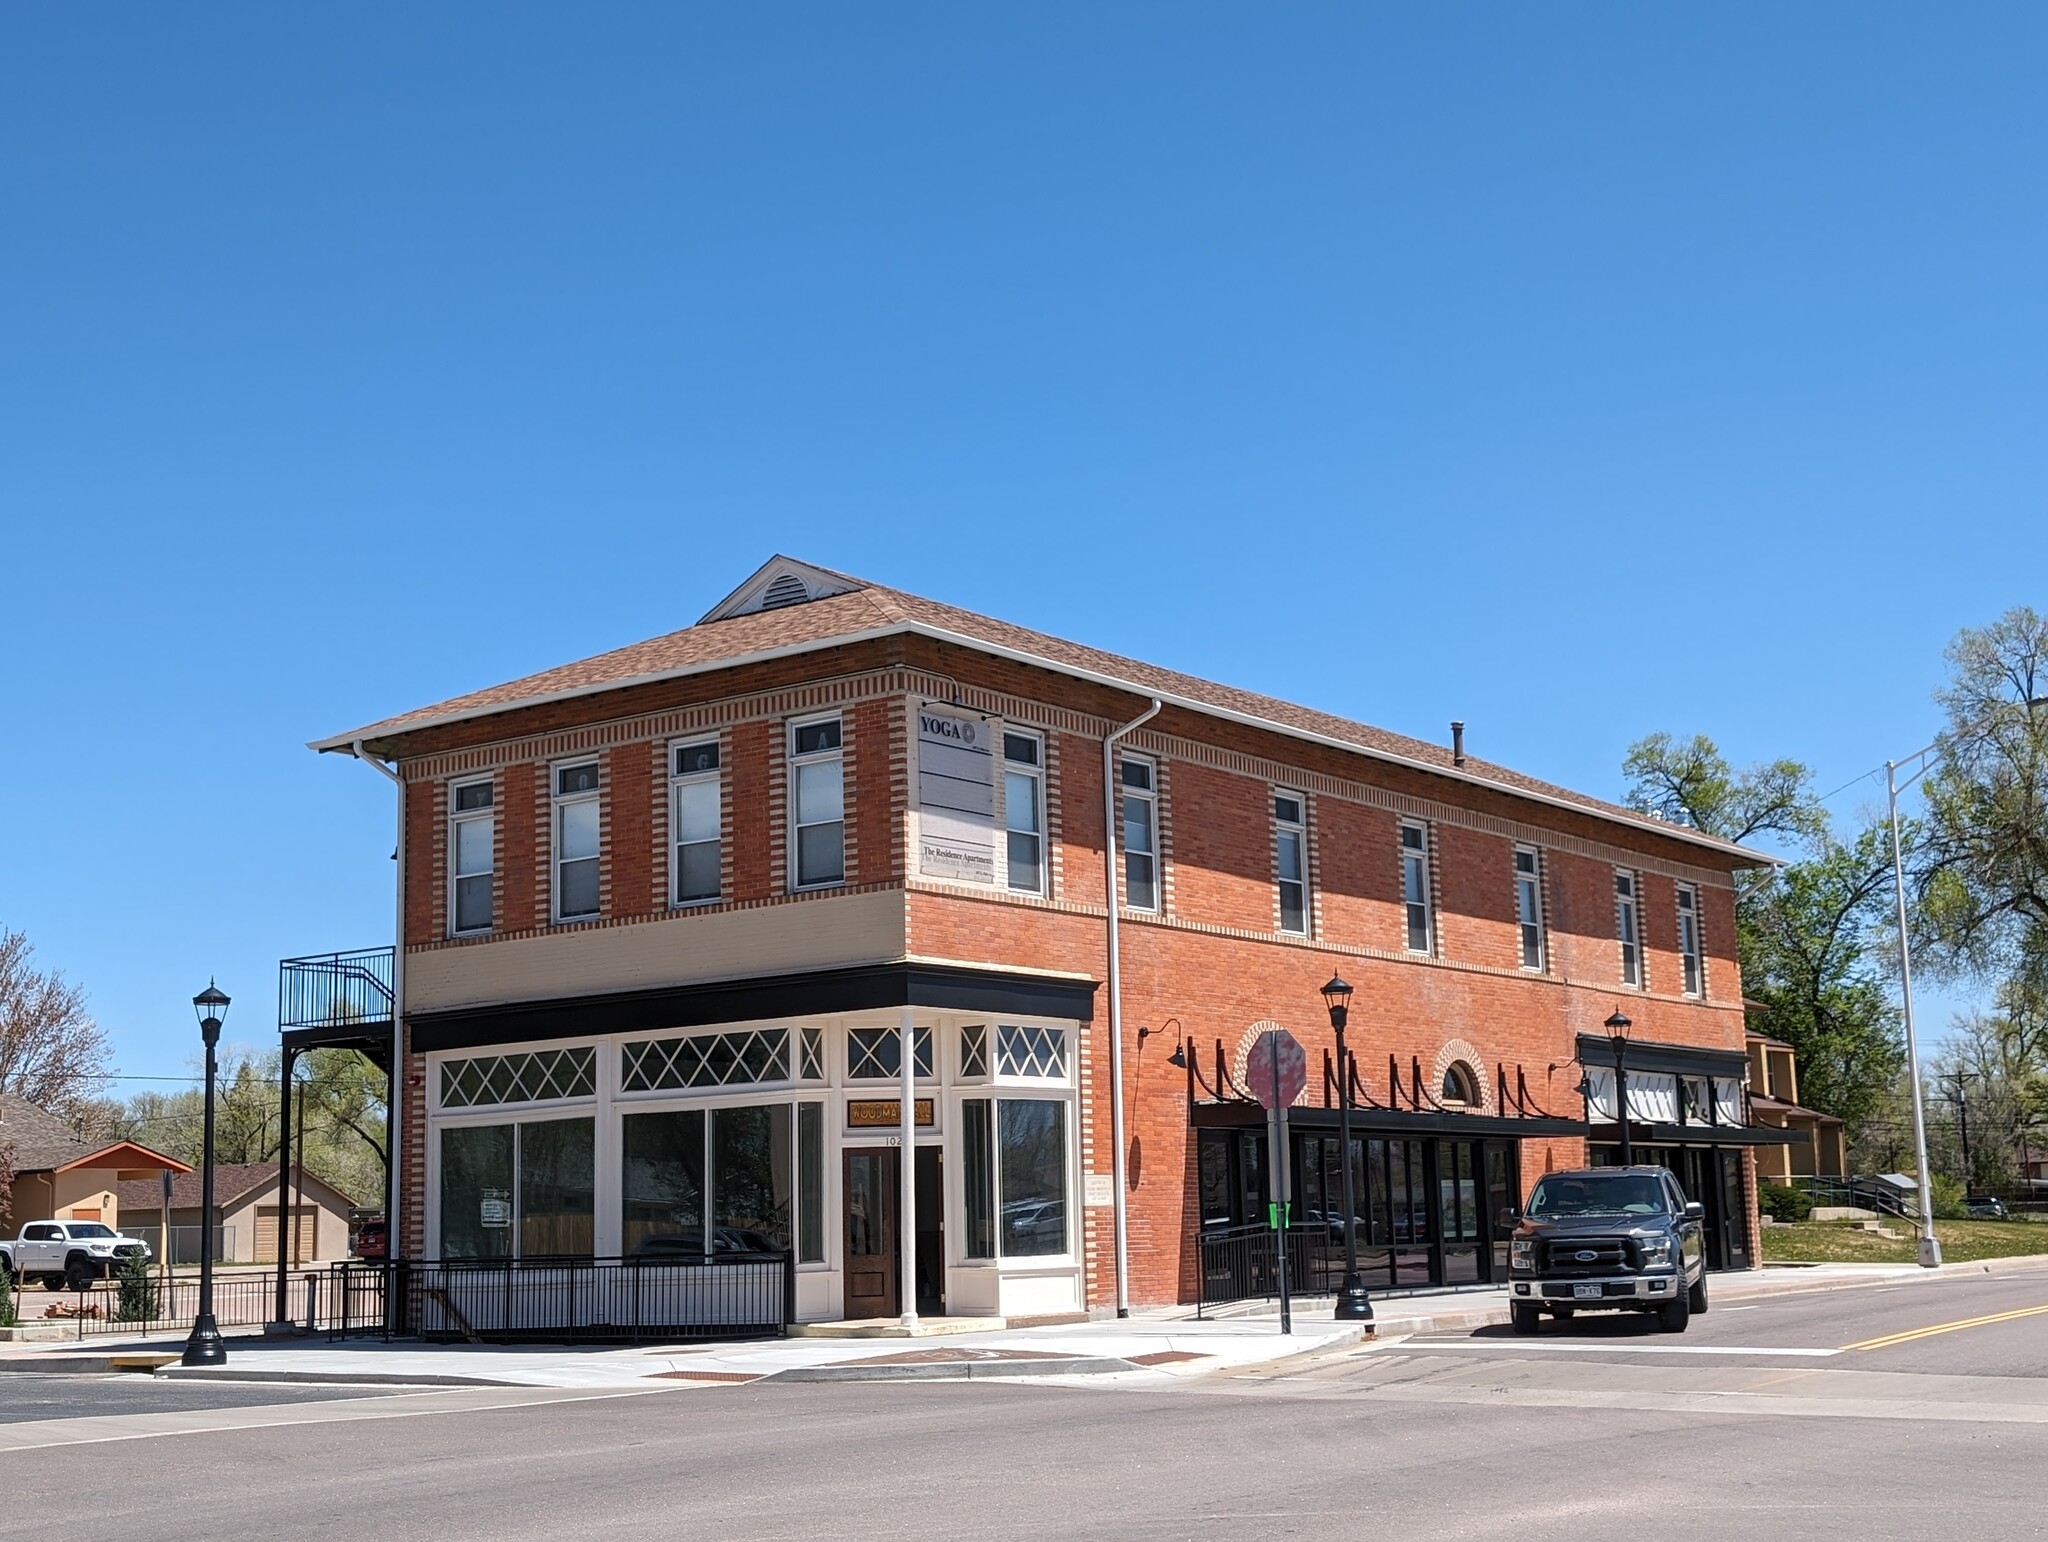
(1589, 1431)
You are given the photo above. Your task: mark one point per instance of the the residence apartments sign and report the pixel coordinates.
(956, 795)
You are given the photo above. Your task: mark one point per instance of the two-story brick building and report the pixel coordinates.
(668, 912)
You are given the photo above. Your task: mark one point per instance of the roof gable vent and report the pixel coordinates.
(779, 583)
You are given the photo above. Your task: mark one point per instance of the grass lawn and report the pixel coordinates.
(1843, 1242)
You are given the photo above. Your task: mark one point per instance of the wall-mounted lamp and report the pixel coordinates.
(1178, 1059)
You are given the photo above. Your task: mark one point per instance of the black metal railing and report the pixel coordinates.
(1242, 1263)
(240, 1300)
(335, 990)
(565, 1301)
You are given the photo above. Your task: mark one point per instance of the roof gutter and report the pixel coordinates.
(1681, 833)
(394, 1105)
(1113, 903)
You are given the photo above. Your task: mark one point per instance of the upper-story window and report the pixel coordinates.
(818, 797)
(1529, 904)
(1689, 937)
(1141, 832)
(1627, 916)
(473, 850)
(1024, 809)
(1290, 853)
(576, 828)
(1415, 899)
(694, 818)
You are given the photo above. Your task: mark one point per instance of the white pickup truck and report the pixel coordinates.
(67, 1254)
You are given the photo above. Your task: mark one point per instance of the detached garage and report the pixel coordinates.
(248, 1216)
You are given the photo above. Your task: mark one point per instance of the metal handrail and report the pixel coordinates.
(336, 990)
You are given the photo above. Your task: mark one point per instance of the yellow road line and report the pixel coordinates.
(1946, 1327)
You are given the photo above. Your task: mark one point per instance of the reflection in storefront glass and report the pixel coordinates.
(557, 1188)
(476, 1191)
(1033, 1163)
(663, 1178)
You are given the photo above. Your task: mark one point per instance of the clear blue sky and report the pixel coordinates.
(1575, 371)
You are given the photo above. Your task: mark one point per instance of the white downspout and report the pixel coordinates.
(1116, 1005)
(393, 1236)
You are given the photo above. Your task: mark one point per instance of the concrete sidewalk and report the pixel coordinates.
(1156, 1346)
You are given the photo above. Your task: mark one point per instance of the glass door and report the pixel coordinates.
(1457, 1182)
(871, 1251)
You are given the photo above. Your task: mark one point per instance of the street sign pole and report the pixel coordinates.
(1278, 1167)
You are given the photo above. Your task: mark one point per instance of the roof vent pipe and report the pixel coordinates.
(1457, 743)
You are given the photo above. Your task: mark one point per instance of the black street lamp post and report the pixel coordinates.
(1353, 1304)
(205, 1346)
(1617, 1028)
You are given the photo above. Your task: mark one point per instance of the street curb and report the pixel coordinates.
(957, 1370)
(330, 1378)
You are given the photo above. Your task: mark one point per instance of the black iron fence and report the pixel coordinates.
(1242, 1263)
(557, 1301)
(240, 1300)
(335, 990)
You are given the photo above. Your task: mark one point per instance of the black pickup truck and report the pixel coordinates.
(1607, 1239)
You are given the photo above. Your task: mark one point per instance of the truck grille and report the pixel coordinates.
(128, 1250)
(1589, 1256)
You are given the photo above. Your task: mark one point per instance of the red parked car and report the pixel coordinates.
(372, 1240)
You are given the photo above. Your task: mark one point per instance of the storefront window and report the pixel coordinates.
(750, 1175)
(557, 1188)
(810, 1161)
(1033, 1163)
(977, 1146)
(476, 1192)
(663, 1178)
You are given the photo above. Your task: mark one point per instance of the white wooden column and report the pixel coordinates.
(906, 1218)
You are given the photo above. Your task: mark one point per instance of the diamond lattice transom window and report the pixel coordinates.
(872, 1054)
(974, 1050)
(1030, 1051)
(535, 1078)
(813, 1042)
(732, 1058)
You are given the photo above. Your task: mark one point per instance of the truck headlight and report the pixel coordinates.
(1522, 1253)
(1657, 1253)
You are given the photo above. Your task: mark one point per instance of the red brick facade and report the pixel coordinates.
(1212, 957)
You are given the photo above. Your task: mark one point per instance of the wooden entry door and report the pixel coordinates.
(873, 1183)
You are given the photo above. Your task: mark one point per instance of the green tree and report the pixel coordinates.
(1809, 935)
(1981, 862)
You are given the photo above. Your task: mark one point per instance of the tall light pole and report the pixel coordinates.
(1930, 1245)
(205, 1346)
(1353, 1305)
(1617, 1027)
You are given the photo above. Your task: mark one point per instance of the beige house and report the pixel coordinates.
(1774, 1100)
(60, 1176)
(247, 1213)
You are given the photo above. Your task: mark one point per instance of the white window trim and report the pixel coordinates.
(791, 761)
(1151, 800)
(1036, 774)
(1630, 904)
(558, 801)
(1424, 855)
(456, 820)
(1298, 828)
(1535, 881)
(676, 782)
(1697, 954)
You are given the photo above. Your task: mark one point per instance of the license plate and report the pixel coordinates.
(1586, 1292)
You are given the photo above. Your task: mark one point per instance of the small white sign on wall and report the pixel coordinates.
(956, 795)
(1100, 1189)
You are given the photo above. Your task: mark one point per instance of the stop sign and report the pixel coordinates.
(1276, 1055)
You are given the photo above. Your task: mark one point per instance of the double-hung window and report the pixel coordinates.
(1689, 937)
(1415, 887)
(818, 833)
(1024, 810)
(1627, 927)
(473, 849)
(576, 830)
(1529, 905)
(1290, 855)
(1141, 833)
(693, 819)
